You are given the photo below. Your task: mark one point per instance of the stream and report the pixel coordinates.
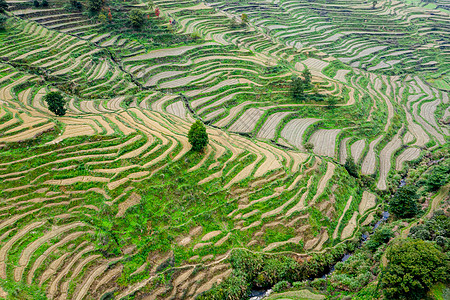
(261, 294)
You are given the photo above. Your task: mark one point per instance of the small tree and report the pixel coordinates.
(438, 177)
(307, 77)
(136, 18)
(404, 203)
(413, 267)
(3, 20)
(56, 103)
(3, 6)
(95, 5)
(76, 4)
(297, 88)
(374, 3)
(309, 146)
(244, 19)
(198, 137)
(44, 3)
(102, 18)
(36, 3)
(332, 101)
(351, 167)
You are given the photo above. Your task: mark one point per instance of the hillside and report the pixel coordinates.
(109, 201)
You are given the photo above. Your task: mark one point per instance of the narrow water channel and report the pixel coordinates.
(261, 294)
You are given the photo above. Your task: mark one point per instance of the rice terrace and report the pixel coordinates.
(224, 149)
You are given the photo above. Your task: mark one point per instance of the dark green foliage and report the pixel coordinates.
(44, 3)
(404, 203)
(307, 78)
(351, 167)
(297, 89)
(3, 20)
(381, 236)
(353, 274)
(264, 271)
(95, 5)
(281, 286)
(76, 4)
(3, 6)
(198, 137)
(56, 103)
(437, 228)
(137, 18)
(309, 146)
(439, 176)
(332, 101)
(36, 3)
(413, 267)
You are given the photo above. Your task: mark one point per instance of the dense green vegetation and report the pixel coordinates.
(413, 267)
(198, 137)
(56, 103)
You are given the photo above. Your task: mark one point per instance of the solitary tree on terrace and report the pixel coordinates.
(307, 77)
(244, 18)
(374, 3)
(198, 137)
(56, 103)
(297, 88)
(137, 18)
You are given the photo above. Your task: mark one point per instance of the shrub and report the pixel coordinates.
(36, 3)
(44, 3)
(439, 176)
(102, 18)
(297, 89)
(76, 4)
(198, 137)
(381, 236)
(281, 286)
(244, 19)
(3, 6)
(136, 18)
(95, 5)
(3, 20)
(234, 287)
(351, 167)
(413, 267)
(404, 203)
(309, 146)
(307, 77)
(56, 103)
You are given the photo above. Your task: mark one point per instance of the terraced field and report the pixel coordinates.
(108, 199)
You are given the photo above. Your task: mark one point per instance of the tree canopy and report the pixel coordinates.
(137, 18)
(198, 137)
(3, 6)
(404, 203)
(56, 103)
(413, 267)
